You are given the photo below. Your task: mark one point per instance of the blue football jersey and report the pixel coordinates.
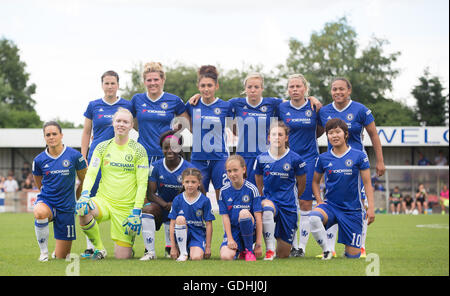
(59, 177)
(168, 183)
(252, 123)
(232, 201)
(196, 212)
(279, 177)
(356, 115)
(342, 178)
(208, 129)
(154, 118)
(302, 123)
(101, 114)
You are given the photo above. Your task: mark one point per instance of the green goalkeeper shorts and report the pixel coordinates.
(117, 216)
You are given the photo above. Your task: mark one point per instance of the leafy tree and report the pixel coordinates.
(392, 113)
(16, 103)
(13, 118)
(334, 52)
(14, 88)
(432, 104)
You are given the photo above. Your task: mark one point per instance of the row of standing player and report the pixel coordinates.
(145, 105)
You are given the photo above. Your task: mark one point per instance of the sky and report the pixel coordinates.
(68, 45)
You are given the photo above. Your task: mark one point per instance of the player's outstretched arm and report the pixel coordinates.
(209, 231)
(316, 187)
(258, 241)
(194, 99)
(259, 183)
(227, 227)
(376, 143)
(301, 184)
(81, 175)
(142, 171)
(173, 250)
(365, 176)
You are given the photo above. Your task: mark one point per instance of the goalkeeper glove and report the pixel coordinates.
(133, 224)
(84, 204)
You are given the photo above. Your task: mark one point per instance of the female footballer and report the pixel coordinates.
(121, 192)
(208, 122)
(154, 110)
(240, 207)
(301, 118)
(164, 183)
(344, 167)
(55, 171)
(98, 124)
(277, 172)
(358, 117)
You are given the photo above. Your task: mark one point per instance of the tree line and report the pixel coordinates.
(332, 52)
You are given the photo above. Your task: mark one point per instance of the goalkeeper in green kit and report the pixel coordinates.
(122, 189)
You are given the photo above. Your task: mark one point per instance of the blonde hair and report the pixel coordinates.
(122, 110)
(252, 75)
(304, 81)
(154, 67)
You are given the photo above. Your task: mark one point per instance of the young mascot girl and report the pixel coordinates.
(191, 220)
(278, 171)
(164, 183)
(343, 165)
(240, 207)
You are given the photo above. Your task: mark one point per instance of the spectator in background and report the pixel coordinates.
(27, 185)
(395, 200)
(421, 199)
(423, 160)
(25, 170)
(443, 198)
(440, 159)
(2, 184)
(11, 185)
(408, 204)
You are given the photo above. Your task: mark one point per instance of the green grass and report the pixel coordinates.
(403, 249)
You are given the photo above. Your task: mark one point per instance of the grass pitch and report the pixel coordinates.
(404, 245)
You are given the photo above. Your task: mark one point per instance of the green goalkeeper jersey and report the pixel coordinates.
(124, 170)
